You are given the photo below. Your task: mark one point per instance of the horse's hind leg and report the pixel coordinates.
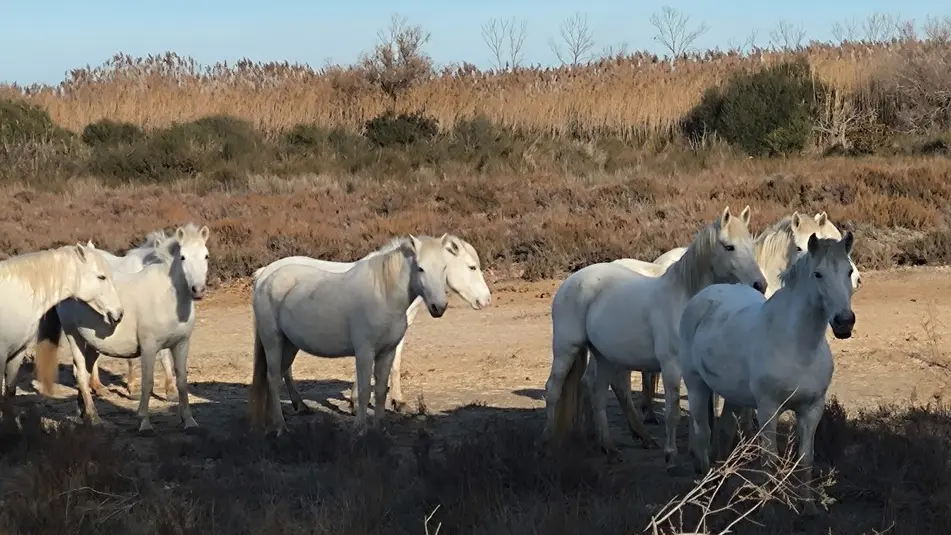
(396, 386)
(95, 384)
(382, 367)
(599, 402)
(11, 369)
(649, 383)
(168, 367)
(288, 353)
(699, 399)
(727, 425)
(131, 379)
(621, 386)
(670, 372)
(148, 382)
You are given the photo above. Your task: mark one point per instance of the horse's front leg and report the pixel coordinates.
(95, 383)
(84, 361)
(147, 354)
(807, 421)
(179, 355)
(382, 368)
(670, 372)
(10, 372)
(621, 385)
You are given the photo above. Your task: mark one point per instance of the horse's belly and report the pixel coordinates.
(628, 345)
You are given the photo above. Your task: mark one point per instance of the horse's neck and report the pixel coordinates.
(400, 295)
(799, 318)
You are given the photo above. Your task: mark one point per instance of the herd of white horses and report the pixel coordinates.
(731, 316)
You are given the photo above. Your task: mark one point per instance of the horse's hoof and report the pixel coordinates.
(613, 455)
(147, 432)
(400, 407)
(195, 431)
(303, 408)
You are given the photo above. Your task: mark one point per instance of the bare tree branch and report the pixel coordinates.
(787, 36)
(398, 62)
(613, 51)
(847, 30)
(938, 29)
(577, 39)
(737, 46)
(505, 39)
(673, 31)
(879, 27)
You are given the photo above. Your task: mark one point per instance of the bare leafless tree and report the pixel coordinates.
(673, 31)
(613, 51)
(506, 40)
(879, 27)
(787, 36)
(398, 61)
(576, 41)
(938, 29)
(738, 46)
(846, 30)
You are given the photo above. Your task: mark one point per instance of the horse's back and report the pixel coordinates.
(639, 266)
(326, 265)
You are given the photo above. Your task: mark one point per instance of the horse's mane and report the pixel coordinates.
(43, 270)
(153, 239)
(169, 247)
(776, 244)
(386, 263)
(690, 268)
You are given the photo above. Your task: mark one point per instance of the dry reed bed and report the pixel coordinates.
(635, 95)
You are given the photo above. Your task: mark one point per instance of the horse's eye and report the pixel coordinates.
(183, 258)
(729, 247)
(206, 257)
(851, 271)
(102, 277)
(472, 268)
(818, 275)
(798, 249)
(421, 270)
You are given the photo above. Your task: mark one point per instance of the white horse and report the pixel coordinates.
(784, 360)
(134, 261)
(776, 249)
(463, 276)
(360, 312)
(32, 283)
(160, 314)
(630, 321)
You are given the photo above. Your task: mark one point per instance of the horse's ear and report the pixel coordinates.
(796, 220)
(81, 252)
(180, 233)
(725, 217)
(90, 244)
(848, 241)
(813, 243)
(450, 244)
(745, 215)
(204, 233)
(822, 218)
(415, 244)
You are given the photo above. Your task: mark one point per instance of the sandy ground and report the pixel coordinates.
(500, 357)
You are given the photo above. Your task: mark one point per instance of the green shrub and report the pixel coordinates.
(23, 123)
(390, 129)
(109, 132)
(764, 113)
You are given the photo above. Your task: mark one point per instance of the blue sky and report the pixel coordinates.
(41, 40)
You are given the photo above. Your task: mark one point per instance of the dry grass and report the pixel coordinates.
(638, 96)
(534, 226)
(890, 471)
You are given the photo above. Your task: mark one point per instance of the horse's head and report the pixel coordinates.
(427, 273)
(463, 272)
(94, 284)
(733, 255)
(829, 230)
(193, 255)
(832, 271)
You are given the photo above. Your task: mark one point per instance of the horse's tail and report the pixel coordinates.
(569, 407)
(259, 395)
(257, 273)
(48, 335)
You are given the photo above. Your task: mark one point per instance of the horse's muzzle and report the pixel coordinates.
(198, 293)
(115, 317)
(842, 325)
(437, 311)
(760, 286)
